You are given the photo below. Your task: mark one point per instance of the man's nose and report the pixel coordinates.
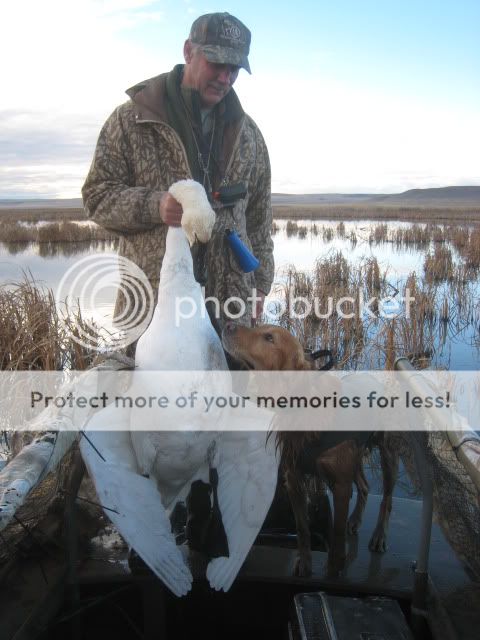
(226, 74)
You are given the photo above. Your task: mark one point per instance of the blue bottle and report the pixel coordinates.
(245, 258)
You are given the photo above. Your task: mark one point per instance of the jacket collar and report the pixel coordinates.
(149, 98)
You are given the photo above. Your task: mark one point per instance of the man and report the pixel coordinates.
(189, 123)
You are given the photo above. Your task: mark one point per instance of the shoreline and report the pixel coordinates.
(419, 214)
(437, 214)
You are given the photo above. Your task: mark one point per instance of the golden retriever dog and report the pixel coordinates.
(334, 456)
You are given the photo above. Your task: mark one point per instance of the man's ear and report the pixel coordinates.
(187, 51)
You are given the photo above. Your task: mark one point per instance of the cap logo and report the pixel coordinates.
(231, 31)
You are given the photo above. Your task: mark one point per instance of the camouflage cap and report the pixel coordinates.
(223, 39)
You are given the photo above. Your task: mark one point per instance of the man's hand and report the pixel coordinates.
(170, 210)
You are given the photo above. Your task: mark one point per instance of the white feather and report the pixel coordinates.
(247, 481)
(198, 216)
(132, 502)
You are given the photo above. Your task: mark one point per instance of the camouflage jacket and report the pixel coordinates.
(139, 156)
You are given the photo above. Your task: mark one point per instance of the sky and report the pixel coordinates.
(352, 96)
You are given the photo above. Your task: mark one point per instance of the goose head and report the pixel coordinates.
(198, 216)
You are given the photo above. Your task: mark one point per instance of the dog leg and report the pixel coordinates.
(342, 492)
(389, 463)
(361, 483)
(320, 514)
(298, 499)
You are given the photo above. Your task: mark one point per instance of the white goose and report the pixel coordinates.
(145, 472)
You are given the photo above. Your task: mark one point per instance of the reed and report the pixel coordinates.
(14, 232)
(327, 234)
(379, 234)
(41, 213)
(445, 312)
(390, 348)
(416, 235)
(471, 250)
(437, 311)
(332, 273)
(419, 236)
(60, 231)
(459, 237)
(437, 234)
(33, 336)
(372, 277)
(291, 228)
(438, 266)
(447, 215)
(302, 232)
(52, 249)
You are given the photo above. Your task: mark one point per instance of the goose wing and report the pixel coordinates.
(133, 502)
(247, 480)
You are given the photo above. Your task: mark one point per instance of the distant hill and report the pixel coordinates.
(442, 197)
(320, 198)
(462, 196)
(25, 203)
(435, 197)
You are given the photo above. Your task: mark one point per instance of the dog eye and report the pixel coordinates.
(268, 337)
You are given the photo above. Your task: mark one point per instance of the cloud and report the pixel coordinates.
(44, 155)
(324, 136)
(66, 65)
(33, 137)
(70, 64)
(42, 181)
(72, 55)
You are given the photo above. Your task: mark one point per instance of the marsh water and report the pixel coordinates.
(458, 344)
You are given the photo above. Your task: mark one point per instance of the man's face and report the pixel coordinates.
(212, 80)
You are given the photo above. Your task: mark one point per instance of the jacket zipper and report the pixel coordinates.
(184, 151)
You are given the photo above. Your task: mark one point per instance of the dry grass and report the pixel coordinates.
(373, 281)
(437, 312)
(379, 234)
(438, 266)
(471, 250)
(377, 212)
(41, 214)
(32, 334)
(333, 278)
(438, 241)
(328, 234)
(294, 229)
(341, 230)
(61, 231)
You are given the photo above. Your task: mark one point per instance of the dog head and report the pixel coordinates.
(264, 348)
